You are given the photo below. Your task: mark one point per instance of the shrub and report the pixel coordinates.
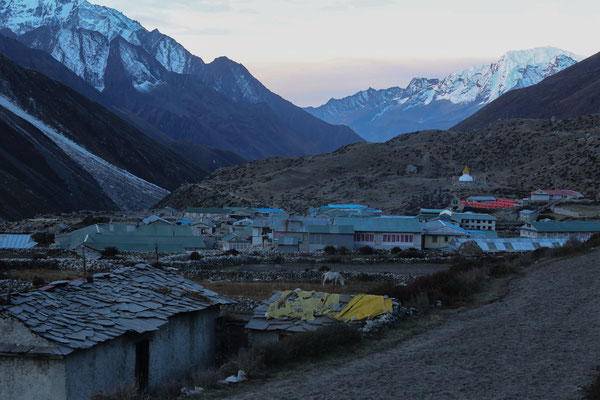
(195, 256)
(310, 345)
(279, 260)
(324, 268)
(342, 251)
(594, 240)
(205, 378)
(592, 391)
(43, 239)
(109, 252)
(410, 253)
(366, 250)
(329, 250)
(396, 250)
(231, 252)
(334, 260)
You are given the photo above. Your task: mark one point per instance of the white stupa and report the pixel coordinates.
(465, 176)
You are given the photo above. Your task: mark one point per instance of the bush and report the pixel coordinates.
(366, 250)
(231, 252)
(334, 260)
(310, 345)
(592, 391)
(109, 252)
(43, 239)
(410, 253)
(330, 250)
(342, 251)
(593, 241)
(396, 250)
(279, 260)
(324, 268)
(195, 256)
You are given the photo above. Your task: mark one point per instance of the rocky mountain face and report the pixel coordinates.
(379, 115)
(416, 170)
(63, 152)
(568, 94)
(147, 75)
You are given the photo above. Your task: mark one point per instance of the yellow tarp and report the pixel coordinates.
(365, 306)
(303, 305)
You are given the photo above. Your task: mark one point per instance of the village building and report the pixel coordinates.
(135, 326)
(528, 216)
(438, 234)
(474, 221)
(552, 194)
(239, 240)
(581, 230)
(143, 238)
(337, 236)
(198, 212)
(481, 199)
(288, 244)
(297, 227)
(384, 232)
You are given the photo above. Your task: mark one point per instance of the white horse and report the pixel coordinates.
(335, 277)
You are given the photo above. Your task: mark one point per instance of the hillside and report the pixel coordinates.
(515, 157)
(568, 94)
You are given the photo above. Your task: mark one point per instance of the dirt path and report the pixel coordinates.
(539, 342)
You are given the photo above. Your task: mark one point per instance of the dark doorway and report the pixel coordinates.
(142, 364)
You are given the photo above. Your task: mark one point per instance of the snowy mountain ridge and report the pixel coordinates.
(460, 93)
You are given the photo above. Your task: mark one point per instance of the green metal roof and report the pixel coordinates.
(339, 229)
(382, 224)
(563, 226)
(461, 216)
(168, 238)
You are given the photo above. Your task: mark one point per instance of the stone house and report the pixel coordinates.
(553, 194)
(338, 236)
(385, 232)
(438, 234)
(580, 230)
(137, 326)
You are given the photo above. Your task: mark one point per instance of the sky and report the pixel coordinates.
(311, 50)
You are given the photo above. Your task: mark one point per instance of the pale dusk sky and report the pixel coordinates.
(311, 50)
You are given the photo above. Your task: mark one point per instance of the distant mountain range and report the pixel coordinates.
(568, 94)
(164, 90)
(379, 115)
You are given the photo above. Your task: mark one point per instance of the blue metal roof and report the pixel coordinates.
(510, 244)
(16, 242)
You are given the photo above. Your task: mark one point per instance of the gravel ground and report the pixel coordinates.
(401, 269)
(539, 342)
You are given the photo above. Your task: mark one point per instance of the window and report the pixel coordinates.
(434, 239)
(445, 238)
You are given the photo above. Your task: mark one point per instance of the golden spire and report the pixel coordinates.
(466, 170)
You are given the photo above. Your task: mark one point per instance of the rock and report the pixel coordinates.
(241, 377)
(470, 248)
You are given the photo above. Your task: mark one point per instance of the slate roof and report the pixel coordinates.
(154, 218)
(82, 313)
(510, 244)
(469, 215)
(16, 242)
(554, 192)
(481, 198)
(563, 226)
(382, 224)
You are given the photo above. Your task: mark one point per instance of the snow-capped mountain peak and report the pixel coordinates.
(442, 103)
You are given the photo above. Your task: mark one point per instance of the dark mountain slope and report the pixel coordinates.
(36, 176)
(95, 128)
(570, 93)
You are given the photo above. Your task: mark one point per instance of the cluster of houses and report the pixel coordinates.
(340, 226)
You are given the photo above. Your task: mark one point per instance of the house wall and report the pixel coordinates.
(32, 378)
(24, 378)
(582, 236)
(378, 242)
(258, 338)
(186, 341)
(318, 241)
(478, 224)
(438, 241)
